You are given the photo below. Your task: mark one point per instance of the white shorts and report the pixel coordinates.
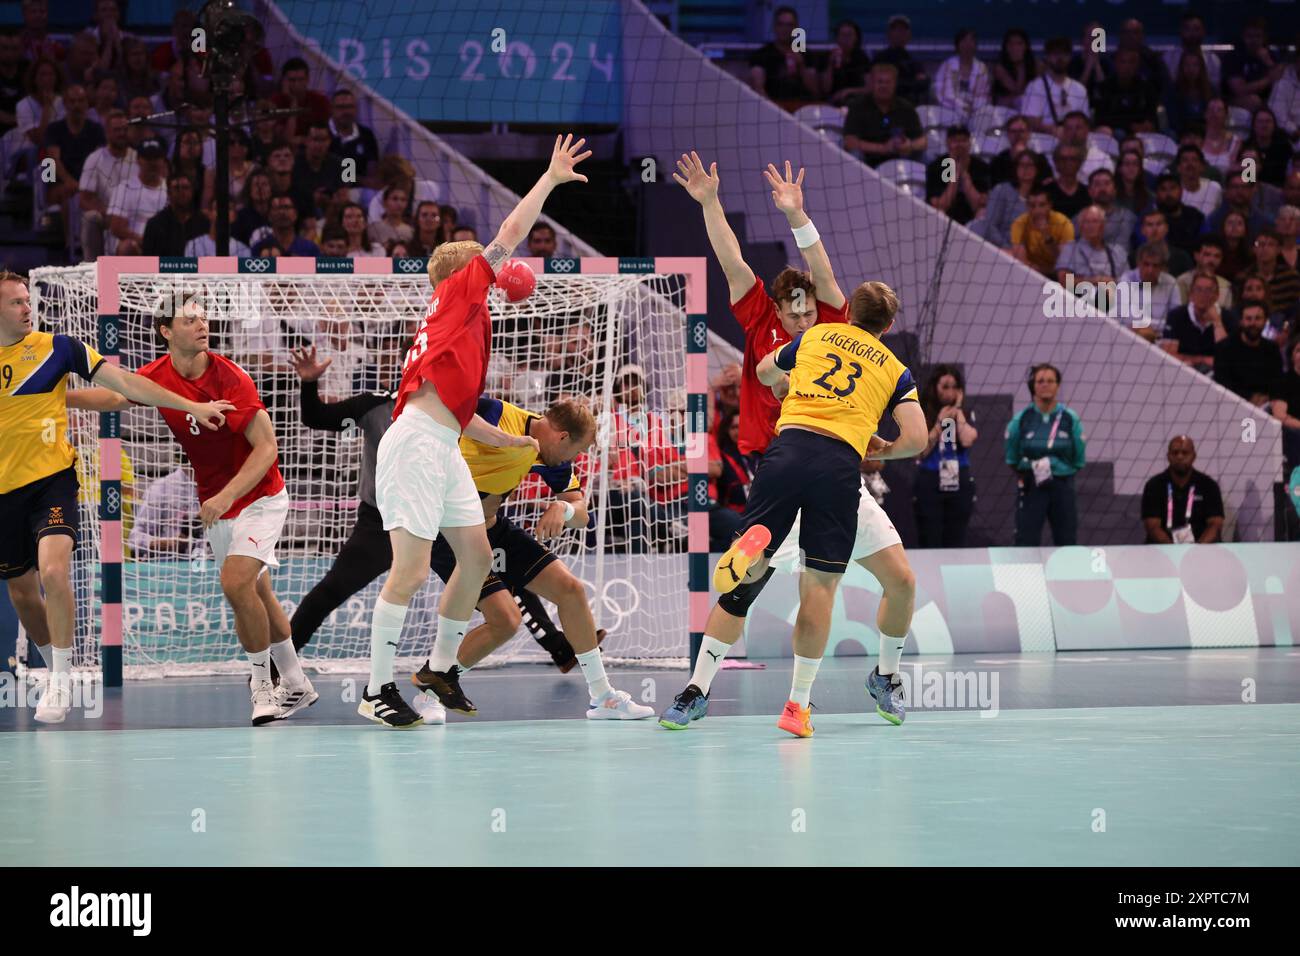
(254, 532)
(421, 480)
(875, 533)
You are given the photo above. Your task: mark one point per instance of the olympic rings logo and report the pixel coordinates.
(562, 265)
(700, 334)
(112, 501)
(110, 336)
(257, 265)
(609, 606)
(410, 265)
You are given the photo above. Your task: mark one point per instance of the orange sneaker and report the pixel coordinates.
(796, 720)
(744, 551)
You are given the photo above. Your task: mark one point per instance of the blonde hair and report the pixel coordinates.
(872, 307)
(7, 276)
(573, 417)
(449, 257)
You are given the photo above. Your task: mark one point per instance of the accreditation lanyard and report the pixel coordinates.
(1051, 436)
(1169, 505)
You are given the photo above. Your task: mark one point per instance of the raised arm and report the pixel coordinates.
(564, 158)
(703, 188)
(144, 392)
(327, 416)
(787, 194)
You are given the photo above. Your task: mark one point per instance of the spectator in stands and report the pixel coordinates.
(136, 200)
(883, 126)
(1282, 280)
(726, 389)
(541, 241)
(957, 183)
(395, 248)
(1053, 95)
(318, 173)
(1278, 327)
(43, 103)
(1271, 143)
(1151, 68)
(180, 47)
(464, 234)
(264, 137)
(240, 165)
(1284, 100)
(1184, 222)
(294, 95)
(187, 158)
(1015, 69)
(1038, 236)
(206, 244)
(1246, 363)
(1120, 221)
(963, 83)
(394, 224)
(135, 78)
(1087, 65)
(1090, 258)
(777, 69)
(1287, 228)
(1124, 100)
(1076, 130)
(36, 40)
(69, 142)
(108, 35)
(1160, 289)
(13, 69)
(1131, 190)
(1192, 35)
(168, 230)
(1201, 194)
(333, 241)
(137, 130)
(1003, 168)
(280, 165)
(1189, 92)
(167, 524)
(1193, 330)
(1241, 196)
(105, 98)
(911, 80)
(943, 493)
(1045, 448)
(842, 72)
(353, 220)
(397, 170)
(1008, 202)
(1156, 229)
(1220, 144)
(79, 65)
(107, 167)
(350, 139)
(428, 228)
(1286, 405)
(449, 219)
(282, 233)
(729, 480)
(254, 206)
(1238, 250)
(1251, 69)
(1069, 195)
(1291, 188)
(1208, 258)
(1182, 505)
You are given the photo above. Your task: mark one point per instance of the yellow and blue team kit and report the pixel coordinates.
(38, 483)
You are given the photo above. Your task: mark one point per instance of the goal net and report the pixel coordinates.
(581, 334)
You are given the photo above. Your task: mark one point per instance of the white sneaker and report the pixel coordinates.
(430, 708)
(55, 700)
(265, 707)
(618, 705)
(290, 700)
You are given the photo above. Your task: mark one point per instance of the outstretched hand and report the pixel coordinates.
(702, 186)
(564, 159)
(787, 192)
(305, 363)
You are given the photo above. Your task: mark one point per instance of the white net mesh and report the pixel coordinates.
(572, 337)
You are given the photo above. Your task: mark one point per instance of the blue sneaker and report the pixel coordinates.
(690, 704)
(888, 692)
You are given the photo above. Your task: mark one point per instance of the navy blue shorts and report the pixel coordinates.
(517, 558)
(27, 514)
(803, 471)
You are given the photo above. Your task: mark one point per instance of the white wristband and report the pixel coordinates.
(569, 510)
(806, 235)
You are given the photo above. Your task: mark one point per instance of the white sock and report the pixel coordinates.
(385, 634)
(712, 651)
(447, 644)
(805, 672)
(891, 649)
(45, 654)
(286, 660)
(260, 664)
(593, 668)
(61, 665)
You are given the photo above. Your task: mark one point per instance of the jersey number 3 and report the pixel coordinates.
(850, 384)
(417, 348)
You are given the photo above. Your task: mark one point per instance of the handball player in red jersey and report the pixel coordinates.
(243, 503)
(422, 484)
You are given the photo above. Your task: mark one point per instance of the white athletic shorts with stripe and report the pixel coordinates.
(254, 532)
(875, 533)
(421, 480)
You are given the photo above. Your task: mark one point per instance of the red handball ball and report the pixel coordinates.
(516, 280)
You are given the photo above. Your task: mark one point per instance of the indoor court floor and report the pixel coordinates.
(1133, 758)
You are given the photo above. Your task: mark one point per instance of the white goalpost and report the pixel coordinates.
(155, 593)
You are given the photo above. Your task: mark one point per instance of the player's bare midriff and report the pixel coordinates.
(426, 400)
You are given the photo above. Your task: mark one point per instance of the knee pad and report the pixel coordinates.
(737, 602)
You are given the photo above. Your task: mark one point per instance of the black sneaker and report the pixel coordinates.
(388, 708)
(445, 685)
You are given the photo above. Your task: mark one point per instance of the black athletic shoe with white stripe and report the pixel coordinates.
(388, 708)
(445, 685)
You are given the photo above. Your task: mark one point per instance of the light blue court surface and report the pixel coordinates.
(1197, 784)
